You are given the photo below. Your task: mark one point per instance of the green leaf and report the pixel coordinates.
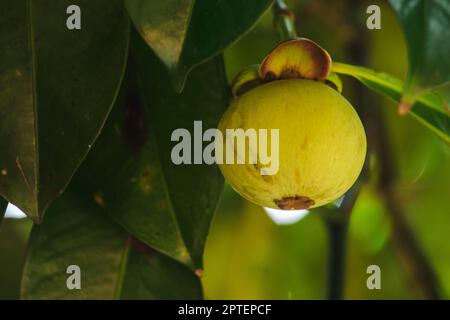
(3, 205)
(427, 108)
(192, 191)
(166, 206)
(426, 24)
(184, 33)
(163, 24)
(113, 265)
(58, 86)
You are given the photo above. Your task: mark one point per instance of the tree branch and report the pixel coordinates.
(414, 260)
(337, 221)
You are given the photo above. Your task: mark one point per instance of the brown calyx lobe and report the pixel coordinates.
(300, 58)
(320, 59)
(294, 203)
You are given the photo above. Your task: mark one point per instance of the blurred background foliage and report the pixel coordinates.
(249, 256)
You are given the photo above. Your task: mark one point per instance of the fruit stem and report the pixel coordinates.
(337, 238)
(284, 20)
(409, 250)
(337, 221)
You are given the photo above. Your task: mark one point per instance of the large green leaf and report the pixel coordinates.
(427, 109)
(113, 265)
(168, 207)
(184, 33)
(57, 87)
(163, 24)
(192, 191)
(426, 24)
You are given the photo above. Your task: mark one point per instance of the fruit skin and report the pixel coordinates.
(322, 144)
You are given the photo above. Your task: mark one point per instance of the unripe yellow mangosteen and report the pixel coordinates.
(321, 143)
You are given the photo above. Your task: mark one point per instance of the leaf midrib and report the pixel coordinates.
(339, 67)
(31, 39)
(165, 187)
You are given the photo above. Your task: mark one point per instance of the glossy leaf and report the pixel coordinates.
(163, 24)
(192, 190)
(113, 265)
(192, 32)
(57, 88)
(426, 25)
(166, 206)
(427, 109)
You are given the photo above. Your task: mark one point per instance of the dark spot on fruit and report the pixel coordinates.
(305, 142)
(266, 178)
(297, 176)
